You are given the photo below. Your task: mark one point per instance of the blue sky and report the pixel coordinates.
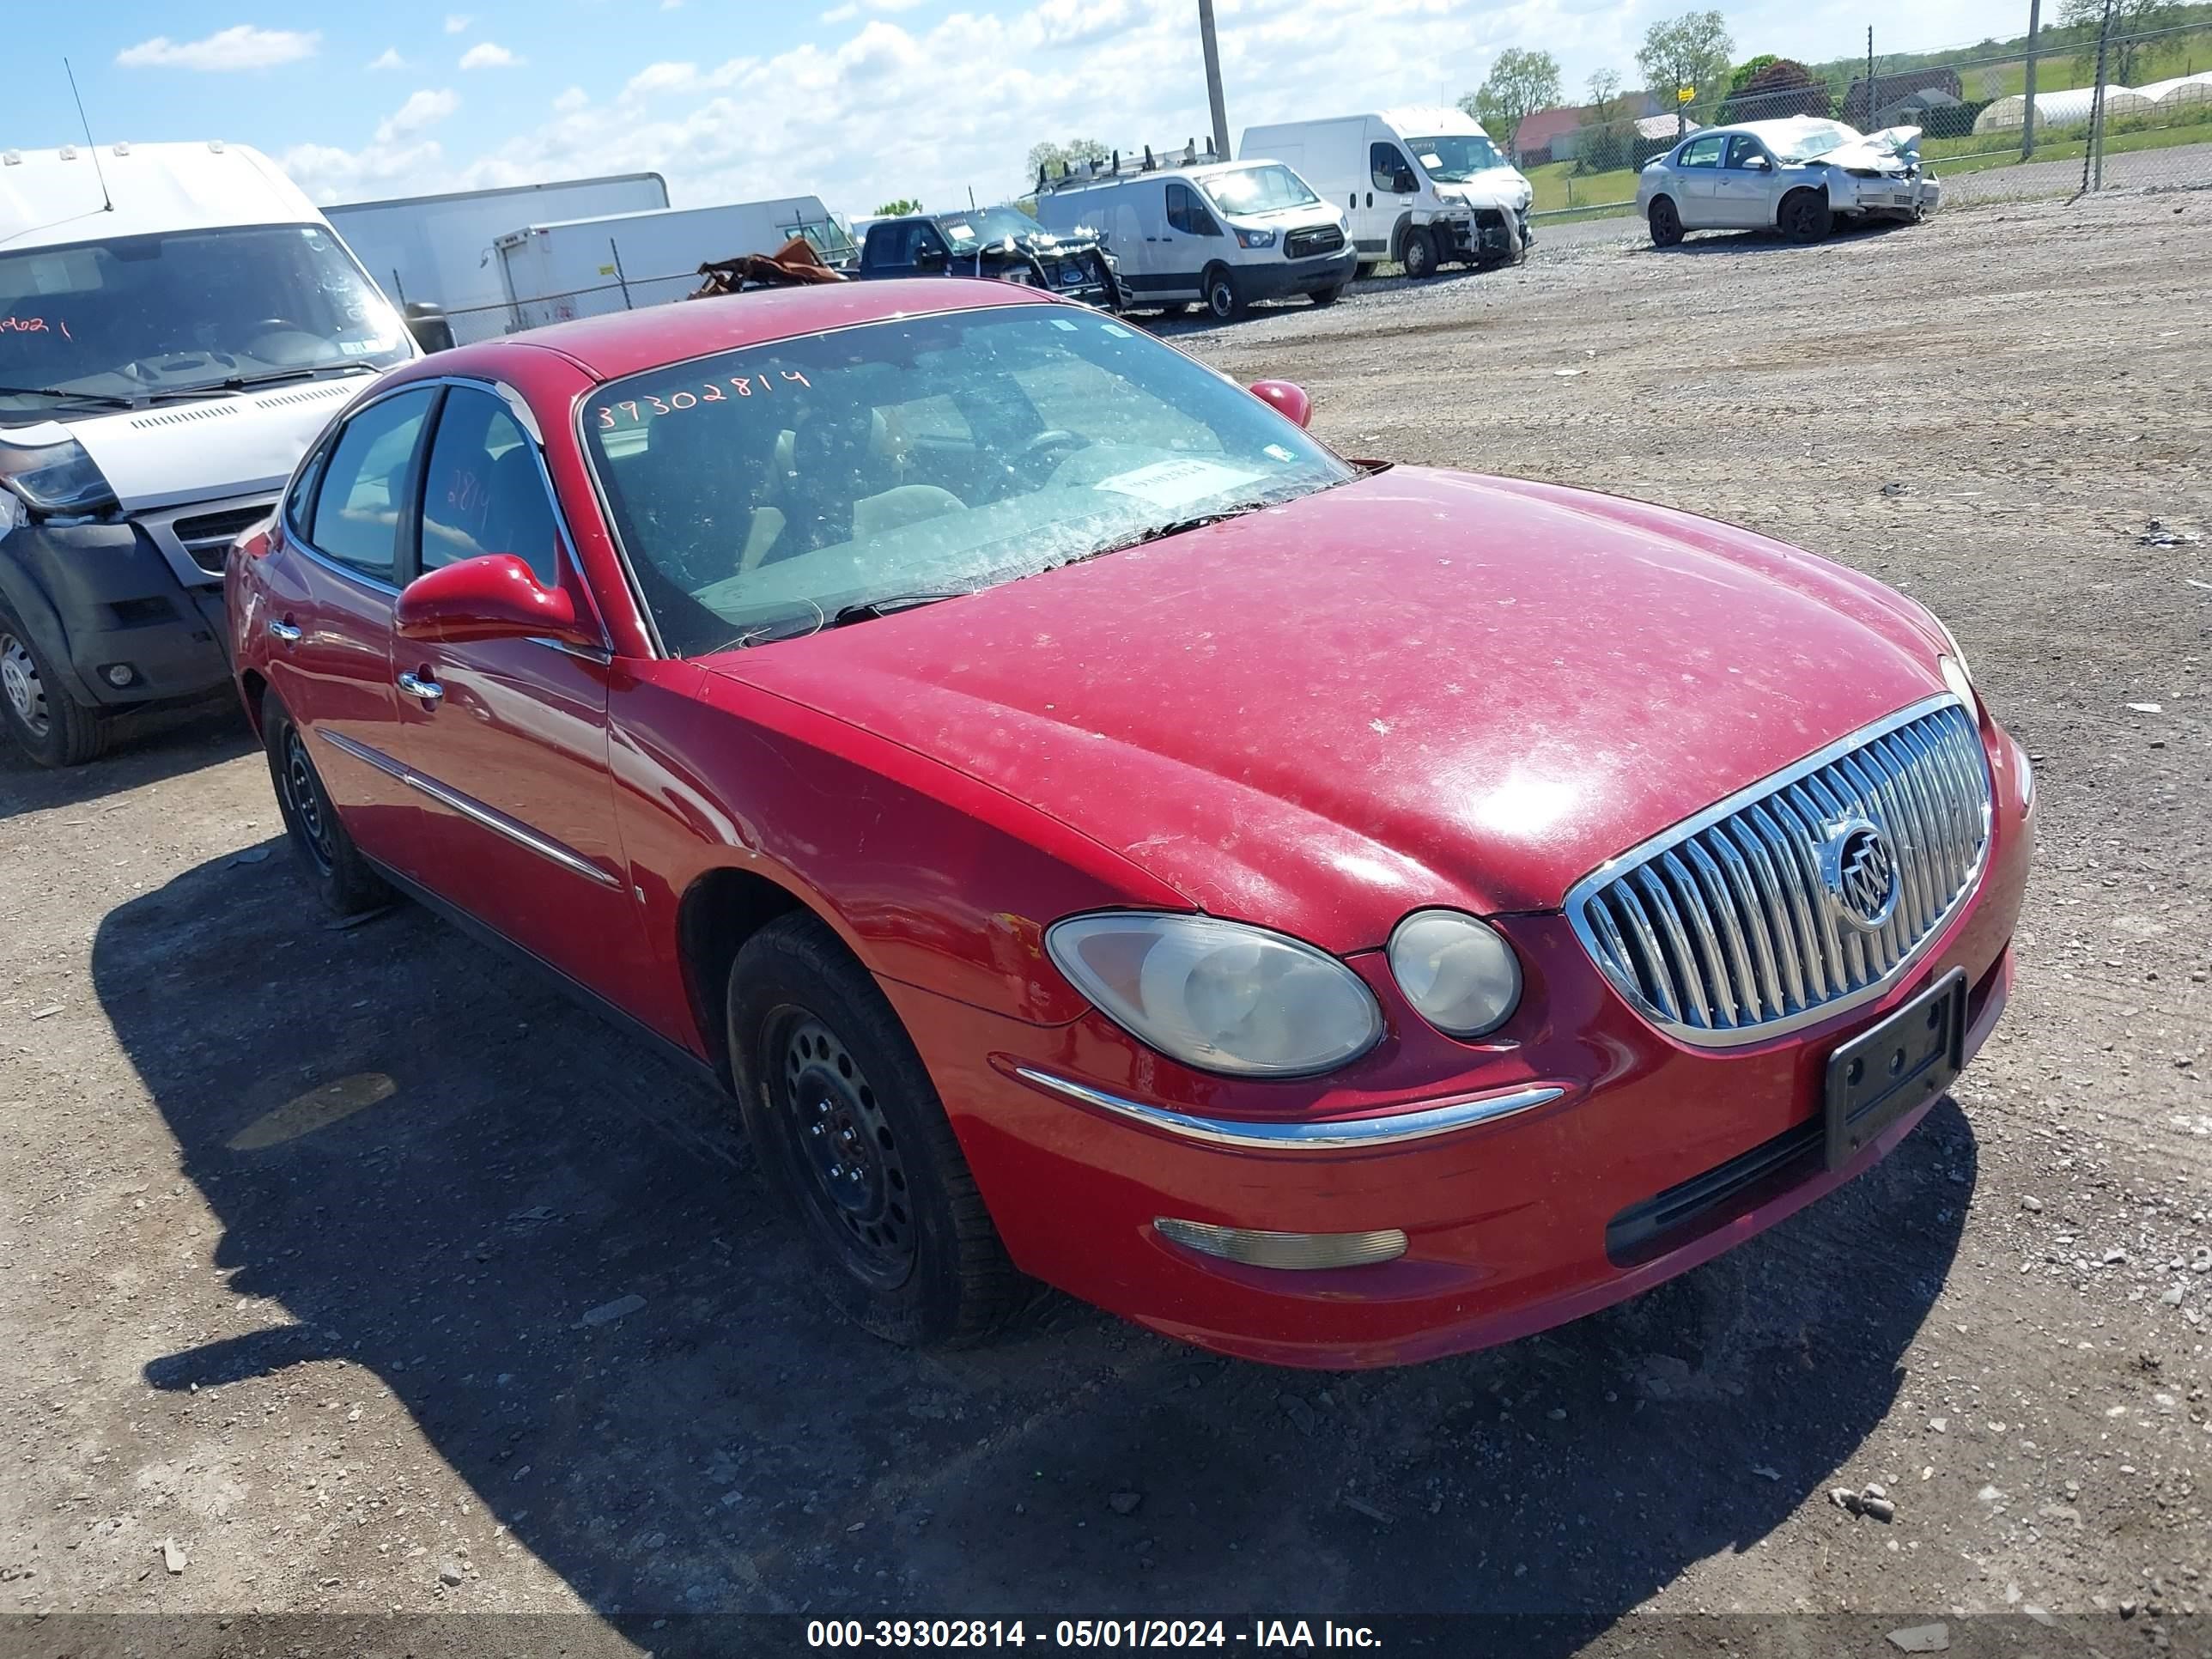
(857, 100)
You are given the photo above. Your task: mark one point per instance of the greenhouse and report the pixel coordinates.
(2069, 108)
(2181, 90)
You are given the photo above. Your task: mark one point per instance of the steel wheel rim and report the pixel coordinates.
(844, 1152)
(19, 680)
(305, 800)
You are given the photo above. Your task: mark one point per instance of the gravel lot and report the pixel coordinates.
(306, 1229)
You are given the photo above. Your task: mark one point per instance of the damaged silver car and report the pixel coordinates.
(1798, 176)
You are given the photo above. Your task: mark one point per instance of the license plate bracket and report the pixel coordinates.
(1895, 1068)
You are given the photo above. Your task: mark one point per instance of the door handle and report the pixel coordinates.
(284, 632)
(421, 685)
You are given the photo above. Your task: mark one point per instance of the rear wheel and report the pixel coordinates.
(849, 1131)
(348, 883)
(1666, 223)
(1222, 302)
(1419, 256)
(1805, 216)
(49, 726)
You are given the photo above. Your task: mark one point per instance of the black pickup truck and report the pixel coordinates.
(1000, 241)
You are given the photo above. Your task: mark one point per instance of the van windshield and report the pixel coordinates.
(990, 225)
(141, 317)
(1455, 158)
(1265, 189)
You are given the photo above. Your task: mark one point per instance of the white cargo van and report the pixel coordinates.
(177, 322)
(1422, 185)
(1223, 233)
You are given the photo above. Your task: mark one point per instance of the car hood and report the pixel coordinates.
(1417, 688)
(1498, 187)
(211, 447)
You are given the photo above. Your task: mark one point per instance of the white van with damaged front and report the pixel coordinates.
(177, 322)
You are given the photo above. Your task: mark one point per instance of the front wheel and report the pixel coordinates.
(849, 1131)
(49, 726)
(1419, 257)
(1221, 300)
(1666, 223)
(347, 882)
(1805, 216)
(1326, 296)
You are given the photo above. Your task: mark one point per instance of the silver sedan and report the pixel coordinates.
(1797, 176)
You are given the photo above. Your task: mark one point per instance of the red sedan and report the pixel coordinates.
(1335, 913)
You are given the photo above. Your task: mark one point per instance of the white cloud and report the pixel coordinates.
(488, 54)
(844, 14)
(389, 58)
(571, 100)
(240, 47)
(423, 109)
(456, 22)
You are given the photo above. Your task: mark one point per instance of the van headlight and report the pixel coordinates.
(1254, 238)
(1221, 996)
(1458, 972)
(56, 477)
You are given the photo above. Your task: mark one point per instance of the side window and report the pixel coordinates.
(1742, 148)
(891, 245)
(481, 491)
(1386, 163)
(927, 240)
(1186, 214)
(1699, 153)
(301, 497)
(364, 488)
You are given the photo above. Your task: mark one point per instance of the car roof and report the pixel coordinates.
(50, 198)
(625, 341)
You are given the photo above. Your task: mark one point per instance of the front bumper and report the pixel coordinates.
(1903, 197)
(1485, 234)
(95, 596)
(1274, 280)
(1507, 1218)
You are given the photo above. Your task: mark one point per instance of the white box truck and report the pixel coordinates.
(177, 322)
(438, 250)
(1422, 185)
(625, 261)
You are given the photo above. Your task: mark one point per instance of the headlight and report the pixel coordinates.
(56, 477)
(1256, 238)
(1460, 974)
(1218, 995)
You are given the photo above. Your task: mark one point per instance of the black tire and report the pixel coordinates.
(1666, 222)
(49, 725)
(1223, 302)
(1326, 296)
(1804, 216)
(848, 1130)
(348, 884)
(1419, 256)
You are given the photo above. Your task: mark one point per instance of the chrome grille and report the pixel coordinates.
(1305, 244)
(1726, 929)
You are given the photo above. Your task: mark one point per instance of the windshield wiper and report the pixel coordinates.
(320, 371)
(890, 604)
(105, 399)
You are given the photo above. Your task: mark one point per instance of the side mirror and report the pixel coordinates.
(1404, 183)
(1290, 401)
(429, 325)
(1758, 164)
(929, 259)
(493, 596)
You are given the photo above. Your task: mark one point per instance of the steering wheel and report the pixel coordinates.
(277, 325)
(1046, 451)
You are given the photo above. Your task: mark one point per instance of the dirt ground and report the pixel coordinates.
(302, 1226)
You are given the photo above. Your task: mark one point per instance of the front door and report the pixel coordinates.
(1745, 188)
(506, 740)
(1189, 241)
(332, 576)
(1697, 173)
(1389, 198)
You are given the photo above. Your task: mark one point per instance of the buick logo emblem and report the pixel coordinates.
(1859, 868)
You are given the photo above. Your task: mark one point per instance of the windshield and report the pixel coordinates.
(139, 316)
(828, 238)
(760, 492)
(1455, 158)
(1265, 189)
(1816, 138)
(990, 225)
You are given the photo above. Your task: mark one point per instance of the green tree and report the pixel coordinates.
(1519, 83)
(1605, 143)
(1690, 51)
(2125, 51)
(1776, 90)
(900, 209)
(1056, 158)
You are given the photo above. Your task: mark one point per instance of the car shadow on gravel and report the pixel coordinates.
(552, 1252)
(1767, 241)
(147, 748)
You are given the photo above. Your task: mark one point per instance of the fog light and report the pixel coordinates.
(1297, 1251)
(120, 673)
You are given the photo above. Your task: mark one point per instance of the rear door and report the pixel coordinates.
(332, 579)
(506, 740)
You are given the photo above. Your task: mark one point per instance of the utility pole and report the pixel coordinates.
(1213, 78)
(2027, 114)
(1867, 118)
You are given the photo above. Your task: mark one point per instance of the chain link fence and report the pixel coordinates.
(2085, 108)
